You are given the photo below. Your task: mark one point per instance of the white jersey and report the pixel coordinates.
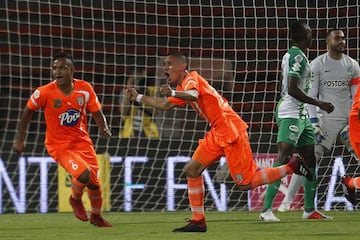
(294, 64)
(331, 82)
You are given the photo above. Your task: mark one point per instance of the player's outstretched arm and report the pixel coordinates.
(187, 95)
(19, 142)
(158, 103)
(102, 124)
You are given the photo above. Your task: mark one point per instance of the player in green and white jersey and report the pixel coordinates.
(295, 132)
(335, 77)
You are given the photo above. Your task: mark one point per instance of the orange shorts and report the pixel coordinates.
(76, 161)
(354, 126)
(238, 155)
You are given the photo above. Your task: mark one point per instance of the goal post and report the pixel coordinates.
(236, 45)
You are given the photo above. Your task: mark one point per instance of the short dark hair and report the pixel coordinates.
(64, 55)
(297, 30)
(332, 30)
(178, 55)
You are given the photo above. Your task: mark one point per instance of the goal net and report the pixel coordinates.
(236, 45)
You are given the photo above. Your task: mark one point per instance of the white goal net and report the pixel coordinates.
(236, 45)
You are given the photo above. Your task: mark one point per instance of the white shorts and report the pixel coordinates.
(331, 129)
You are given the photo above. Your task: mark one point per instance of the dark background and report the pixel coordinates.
(106, 37)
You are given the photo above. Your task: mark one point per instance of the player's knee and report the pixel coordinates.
(84, 177)
(191, 172)
(93, 187)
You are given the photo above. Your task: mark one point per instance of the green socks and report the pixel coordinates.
(271, 191)
(310, 192)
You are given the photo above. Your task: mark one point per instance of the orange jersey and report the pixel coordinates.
(354, 121)
(356, 104)
(65, 116)
(211, 106)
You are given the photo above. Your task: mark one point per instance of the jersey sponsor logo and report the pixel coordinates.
(69, 118)
(336, 84)
(293, 128)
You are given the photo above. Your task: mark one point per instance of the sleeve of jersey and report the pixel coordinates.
(355, 105)
(296, 66)
(188, 83)
(36, 100)
(93, 105)
(177, 101)
(356, 74)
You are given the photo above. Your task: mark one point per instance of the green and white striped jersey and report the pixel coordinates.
(294, 64)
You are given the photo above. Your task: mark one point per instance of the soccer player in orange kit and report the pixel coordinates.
(350, 184)
(65, 102)
(227, 136)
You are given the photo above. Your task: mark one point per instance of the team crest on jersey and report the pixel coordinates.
(69, 118)
(57, 103)
(80, 101)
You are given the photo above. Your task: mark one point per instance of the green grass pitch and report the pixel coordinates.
(158, 225)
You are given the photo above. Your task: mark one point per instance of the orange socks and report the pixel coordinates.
(196, 193)
(354, 182)
(269, 175)
(77, 189)
(95, 200)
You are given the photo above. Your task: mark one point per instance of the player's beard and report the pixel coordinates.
(338, 48)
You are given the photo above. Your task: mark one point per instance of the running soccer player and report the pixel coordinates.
(351, 184)
(335, 77)
(65, 102)
(227, 136)
(295, 132)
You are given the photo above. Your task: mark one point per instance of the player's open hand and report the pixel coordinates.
(19, 146)
(326, 106)
(165, 89)
(131, 94)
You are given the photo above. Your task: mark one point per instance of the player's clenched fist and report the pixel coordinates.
(19, 146)
(105, 133)
(166, 90)
(131, 94)
(326, 106)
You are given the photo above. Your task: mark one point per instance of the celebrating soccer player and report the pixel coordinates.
(352, 183)
(295, 132)
(65, 102)
(227, 136)
(335, 77)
